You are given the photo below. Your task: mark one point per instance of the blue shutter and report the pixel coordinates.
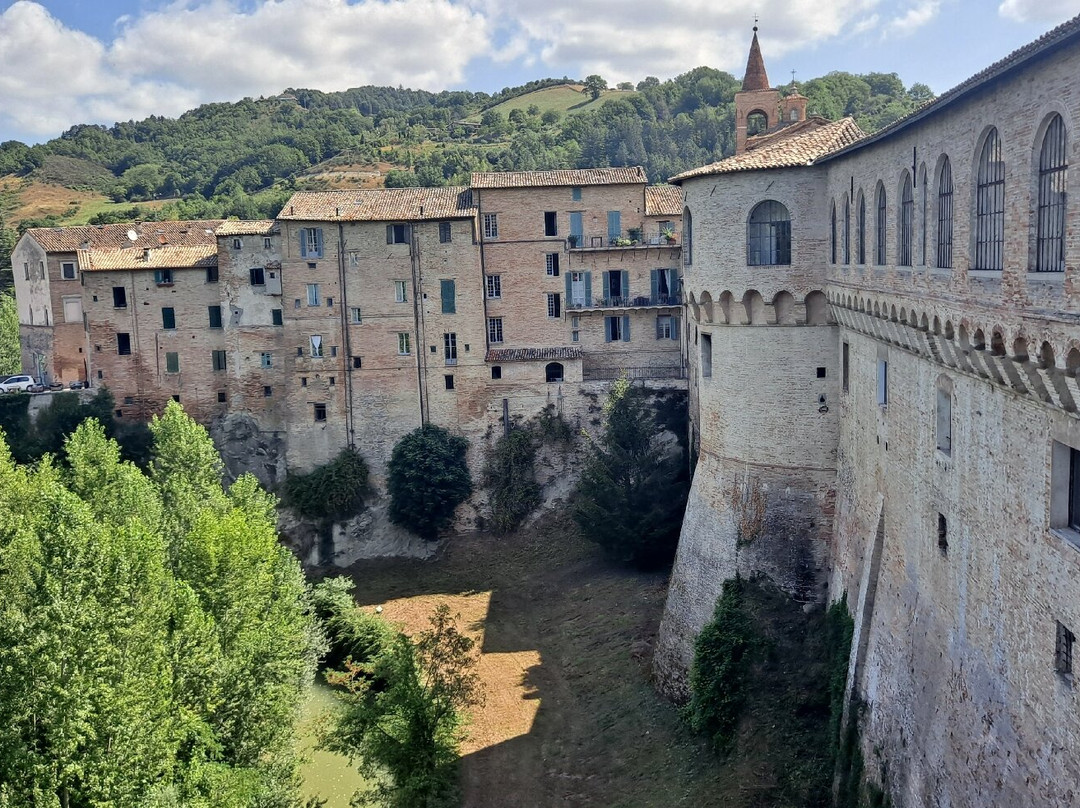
(607, 328)
(576, 228)
(303, 242)
(569, 288)
(674, 327)
(389, 234)
(659, 323)
(614, 224)
(673, 285)
(607, 288)
(446, 292)
(655, 285)
(588, 288)
(625, 284)
(626, 328)
(318, 242)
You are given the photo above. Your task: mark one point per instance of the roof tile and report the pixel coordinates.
(380, 205)
(629, 175)
(167, 257)
(533, 354)
(663, 200)
(197, 233)
(260, 227)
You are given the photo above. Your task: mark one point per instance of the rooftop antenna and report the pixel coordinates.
(792, 78)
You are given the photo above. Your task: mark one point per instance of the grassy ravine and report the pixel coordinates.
(571, 717)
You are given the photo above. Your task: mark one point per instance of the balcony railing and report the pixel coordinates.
(633, 373)
(620, 241)
(632, 302)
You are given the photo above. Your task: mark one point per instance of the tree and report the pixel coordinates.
(595, 84)
(428, 477)
(10, 351)
(510, 475)
(625, 85)
(631, 494)
(405, 711)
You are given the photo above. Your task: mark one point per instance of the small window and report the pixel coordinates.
(215, 316)
(354, 315)
(319, 412)
(168, 318)
(551, 263)
(311, 242)
(663, 326)
(123, 344)
(575, 193)
(357, 362)
(397, 234)
(211, 274)
(266, 359)
(944, 421)
(129, 400)
(221, 397)
(313, 294)
(267, 244)
(495, 329)
(404, 345)
(821, 373)
(237, 244)
(554, 305)
(296, 303)
(706, 355)
(316, 346)
(617, 329)
(496, 371)
(882, 383)
(942, 533)
(329, 302)
(844, 367)
(494, 286)
(218, 359)
(401, 292)
(176, 398)
(450, 348)
(553, 372)
(333, 381)
(163, 277)
(333, 350)
(448, 296)
(448, 380)
(67, 271)
(491, 225)
(276, 317)
(172, 362)
(444, 232)
(551, 223)
(257, 276)
(303, 381)
(268, 391)
(119, 297)
(1063, 650)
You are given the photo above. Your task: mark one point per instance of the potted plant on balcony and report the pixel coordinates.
(669, 235)
(572, 240)
(635, 234)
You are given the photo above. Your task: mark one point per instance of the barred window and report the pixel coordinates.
(860, 230)
(990, 206)
(768, 238)
(944, 217)
(879, 227)
(1050, 231)
(847, 230)
(907, 221)
(832, 234)
(925, 223)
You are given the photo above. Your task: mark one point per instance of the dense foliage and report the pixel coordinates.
(428, 477)
(632, 490)
(221, 159)
(351, 633)
(155, 638)
(10, 352)
(333, 491)
(404, 712)
(510, 476)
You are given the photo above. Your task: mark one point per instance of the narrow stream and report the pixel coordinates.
(326, 774)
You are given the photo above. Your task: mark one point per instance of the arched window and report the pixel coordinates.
(688, 237)
(756, 123)
(554, 372)
(907, 222)
(990, 206)
(1050, 232)
(944, 216)
(925, 223)
(860, 230)
(768, 236)
(847, 230)
(832, 234)
(879, 227)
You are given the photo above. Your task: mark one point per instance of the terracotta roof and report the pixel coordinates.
(629, 175)
(115, 236)
(799, 144)
(261, 227)
(755, 77)
(1048, 42)
(533, 354)
(167, 257)
(663, 200)
(380, 205)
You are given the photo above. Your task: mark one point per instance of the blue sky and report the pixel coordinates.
(64, 62)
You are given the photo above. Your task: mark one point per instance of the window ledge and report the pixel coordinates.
(1067, 535)
(1048, 278)
(989, 274)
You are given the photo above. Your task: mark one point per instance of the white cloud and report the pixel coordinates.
(1044, 11)
(913, 19)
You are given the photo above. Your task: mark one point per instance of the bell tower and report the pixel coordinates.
(757, 105)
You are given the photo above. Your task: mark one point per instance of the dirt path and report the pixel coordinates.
(570, 717)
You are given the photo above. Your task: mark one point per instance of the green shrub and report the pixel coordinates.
(719, 672)
(428, 478)
(510, 475)
(333, 492)
(352, 633)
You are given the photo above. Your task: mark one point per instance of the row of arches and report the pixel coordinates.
(1048, 205)
(751, 309)
(1018, 344)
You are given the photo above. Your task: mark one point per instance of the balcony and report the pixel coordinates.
(638, 302)
(631, 241)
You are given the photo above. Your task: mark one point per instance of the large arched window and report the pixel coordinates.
(990, 206)
(688, 237)
(860, 230)
(879, 227)
(847, 229)
(925, 223)
(944, 216)
(1050, 230)
(768, 234)
(832, 234)
(907, 222)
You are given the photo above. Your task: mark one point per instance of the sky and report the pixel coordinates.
(65, 62)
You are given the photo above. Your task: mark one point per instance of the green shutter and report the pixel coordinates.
(588, 288)
(446, 292)
(389, 234)
(607, 288)
(614, 224)
(625, 284)
(168, 318)
(172, 362)
(674, 327)
(626, 328)
(654, 282)
(318, 242)
(576, 227)
(659, 320)
(607, 329)
(569, 287)
(673, 285)
(303, 242)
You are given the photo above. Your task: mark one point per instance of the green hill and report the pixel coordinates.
(562, 98)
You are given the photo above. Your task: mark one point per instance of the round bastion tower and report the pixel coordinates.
(764, 372)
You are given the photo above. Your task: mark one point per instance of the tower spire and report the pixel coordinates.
(756, 78)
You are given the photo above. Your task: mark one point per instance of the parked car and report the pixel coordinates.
(17, 384)
(36, 388)
(77, 385)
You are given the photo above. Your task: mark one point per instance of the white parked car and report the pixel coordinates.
(17, 384)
